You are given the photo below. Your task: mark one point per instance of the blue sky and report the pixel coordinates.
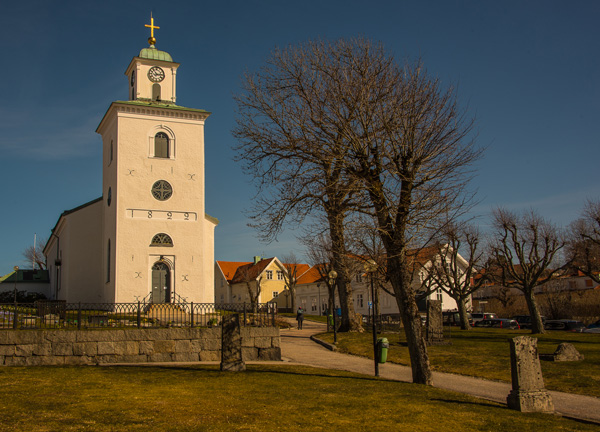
(528, 71)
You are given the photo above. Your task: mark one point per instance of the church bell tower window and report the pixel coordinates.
(161, 145)
(162, 239)
(162, 190)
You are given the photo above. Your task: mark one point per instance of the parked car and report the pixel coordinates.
(504, 323)
(525, 321)
(594, 325)
(567, 325)
(479, 316)
(453, 318)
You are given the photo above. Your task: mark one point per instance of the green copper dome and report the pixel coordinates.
(153, 54)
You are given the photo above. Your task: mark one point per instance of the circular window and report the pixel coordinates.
(162, 190)
(109, 197)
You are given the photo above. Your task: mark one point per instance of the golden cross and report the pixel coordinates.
(152, 40)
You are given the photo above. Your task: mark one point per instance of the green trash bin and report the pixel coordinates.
(382, 349)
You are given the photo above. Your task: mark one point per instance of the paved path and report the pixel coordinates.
(297, 347)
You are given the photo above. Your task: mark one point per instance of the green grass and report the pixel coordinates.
(264, 398)
(485, 353)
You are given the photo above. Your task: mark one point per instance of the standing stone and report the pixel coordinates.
(231, 344)
(435, 328)
(528, 393)
(567, 352)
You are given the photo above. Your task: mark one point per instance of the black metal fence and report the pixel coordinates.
(62, 315)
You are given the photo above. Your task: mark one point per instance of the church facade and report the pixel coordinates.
(148, 237)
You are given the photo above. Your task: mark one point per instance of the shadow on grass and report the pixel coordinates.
(462, 402)
(254, 370)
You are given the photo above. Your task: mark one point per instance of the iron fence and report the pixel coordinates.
(62, 315)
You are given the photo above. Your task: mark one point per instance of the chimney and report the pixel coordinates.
(257, 259)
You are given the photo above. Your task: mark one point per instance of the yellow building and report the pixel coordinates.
(260, 280)
(148, 237)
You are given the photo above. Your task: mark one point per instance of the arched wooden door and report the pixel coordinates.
(161, 277)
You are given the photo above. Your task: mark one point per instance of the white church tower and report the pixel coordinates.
(157, 241)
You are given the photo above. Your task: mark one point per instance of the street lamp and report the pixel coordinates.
(371, 268)
(332, 277)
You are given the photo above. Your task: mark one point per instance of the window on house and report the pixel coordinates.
(162, 239)
(161, 145)
(439, 294)
(279, 275)
(572, 285)
(588, 283)
(313, 304)
(359, 278)
(269, 274)
(359, 300)
(275, 294)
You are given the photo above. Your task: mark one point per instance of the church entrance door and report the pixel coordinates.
(161, 277)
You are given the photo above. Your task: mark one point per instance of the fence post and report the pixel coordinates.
(139, 315)
(273, 312)
(244, 313)
(15, 317)
(192, 315)
(79, 317)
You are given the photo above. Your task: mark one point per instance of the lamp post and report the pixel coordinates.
(371, 268)
(332, 277)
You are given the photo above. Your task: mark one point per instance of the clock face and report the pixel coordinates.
(156, 74)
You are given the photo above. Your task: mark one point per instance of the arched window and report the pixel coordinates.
(161, 145)
(156, 92)
(162, 239)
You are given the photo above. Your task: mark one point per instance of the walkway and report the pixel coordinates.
(297, 347)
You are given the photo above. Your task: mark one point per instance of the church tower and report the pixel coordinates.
(157, 241)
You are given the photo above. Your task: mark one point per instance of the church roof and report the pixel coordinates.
(154, 54)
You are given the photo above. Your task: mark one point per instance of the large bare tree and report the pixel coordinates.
(454, 273)
(290, 123)
(584, 241)
(525, 254)
(412, 152)
(341, 127)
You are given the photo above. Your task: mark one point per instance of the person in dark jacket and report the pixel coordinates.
(300, 317)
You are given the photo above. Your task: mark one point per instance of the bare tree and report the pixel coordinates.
(525, 255)
(36, 254)
(291, 117)
(454, 274)
(249, 276)
(584, 241)
(290, 275)
(340, 127)
(412, 155)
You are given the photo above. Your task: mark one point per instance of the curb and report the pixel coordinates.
(327, 345)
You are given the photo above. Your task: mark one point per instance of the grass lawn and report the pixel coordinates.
(264, 398)
(485, 353)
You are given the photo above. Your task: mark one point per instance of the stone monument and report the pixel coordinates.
(528, 393)
(567, 352)
(231, 344)
(435, 328)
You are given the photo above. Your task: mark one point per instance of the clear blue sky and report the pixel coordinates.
(528, 70)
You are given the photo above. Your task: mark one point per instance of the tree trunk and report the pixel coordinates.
(293, 297)
(462, 313)
(349, 321)
(417, 349)
(537, 326)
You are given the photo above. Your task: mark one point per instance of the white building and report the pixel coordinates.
(148, 236)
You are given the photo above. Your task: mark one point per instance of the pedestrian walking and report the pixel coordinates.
(300, 317)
